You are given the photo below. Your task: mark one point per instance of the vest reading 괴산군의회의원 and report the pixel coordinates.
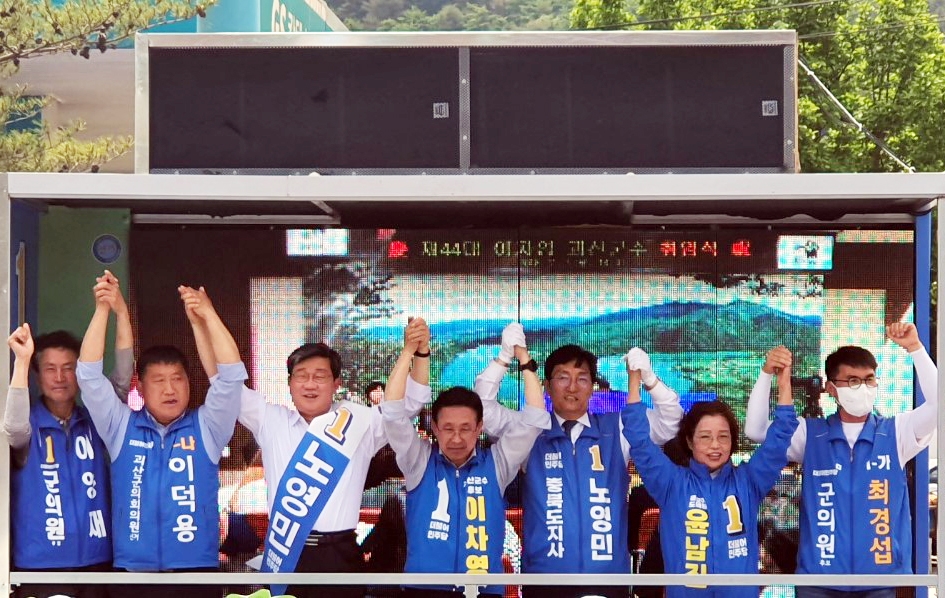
(164, 497)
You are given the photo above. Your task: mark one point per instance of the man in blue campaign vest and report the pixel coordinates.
(855, 516)
(575, 486)
(60, 508)
(165, 457)
(455, 504)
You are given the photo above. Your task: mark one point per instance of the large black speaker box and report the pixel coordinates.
(472, 103)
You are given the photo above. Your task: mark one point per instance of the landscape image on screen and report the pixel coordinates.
(704, 303)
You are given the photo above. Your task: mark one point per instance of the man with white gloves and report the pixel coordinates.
(576, 482)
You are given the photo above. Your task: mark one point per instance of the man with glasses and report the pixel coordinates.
(455, 506)
(574, 498)
(855, 516)
(316, 458)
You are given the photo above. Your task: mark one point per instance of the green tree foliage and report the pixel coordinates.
(31, 28)
(883, 59)
(458, 15)
(600, 14)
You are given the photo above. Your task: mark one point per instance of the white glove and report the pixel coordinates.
(513, 335)
(637, 359)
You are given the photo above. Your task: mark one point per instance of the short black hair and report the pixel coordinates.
(309, 350)
(165, 354)
(850, 355)
(372, 387)
(458, 396)
(687, 427)
(571, 353)
(58, 339)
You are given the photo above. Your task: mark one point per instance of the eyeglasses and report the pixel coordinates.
(708, 439)
(461, 432)
(305, 377)
(854, 382)
(564, 380)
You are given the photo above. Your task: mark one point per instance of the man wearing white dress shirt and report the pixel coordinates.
(315, 460)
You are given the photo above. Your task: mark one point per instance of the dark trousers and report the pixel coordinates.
(193, 590)
(75, 590)
(422, 593)
(819, 592)
(574, 591)
(336, 554)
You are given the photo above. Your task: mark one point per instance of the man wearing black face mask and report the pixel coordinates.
(855, 516)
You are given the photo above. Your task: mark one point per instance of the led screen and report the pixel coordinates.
(704, 303)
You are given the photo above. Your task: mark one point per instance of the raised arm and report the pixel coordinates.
(412, 452)
(417, 392)
(785, 393)
(664, 418)
(496, 417)
(633, 390)
(513, 446)
(777, 361)
(765, 465)
(108, 413)
(396, 386)
(534, 390)
(657, 471)
(16, 416)
(93, 343)
(922, 420)
(21, 343)
(419, 333)
(221, 341)
(219, 412)
(123, 369)
(756, 413)
(208, 359)
(124, 336)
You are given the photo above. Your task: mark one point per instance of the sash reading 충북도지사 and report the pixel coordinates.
(308, 482)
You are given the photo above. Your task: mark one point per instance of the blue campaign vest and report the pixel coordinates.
(164, 497)
(723, 550)
(708, 524)
(456, 519)
(60, 510)
(574, 501)
(862, 493)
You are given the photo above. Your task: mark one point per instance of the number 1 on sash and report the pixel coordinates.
(734, 515)
(441, 513)
(50, 455)
(337, 428)
(596, 463)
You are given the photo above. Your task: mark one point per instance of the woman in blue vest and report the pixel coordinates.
(708, 510)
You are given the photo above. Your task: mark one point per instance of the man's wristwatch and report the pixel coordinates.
(531, 364)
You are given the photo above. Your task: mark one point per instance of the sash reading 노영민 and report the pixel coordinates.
(309, 479)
